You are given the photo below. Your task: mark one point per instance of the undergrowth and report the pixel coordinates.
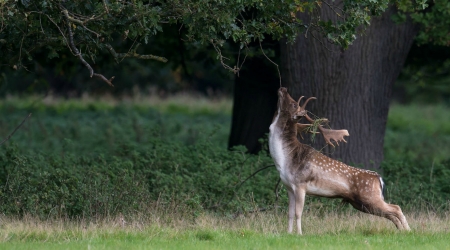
(91, 162)
(200, 176)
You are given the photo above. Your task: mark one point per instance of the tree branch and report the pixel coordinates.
(235, 69)
(86, 19)
(20, 125)
(78, 53)
(278, 69)
(236, 189)
(134, 54)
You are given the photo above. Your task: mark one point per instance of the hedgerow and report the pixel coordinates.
(127, 161)
(130, 180)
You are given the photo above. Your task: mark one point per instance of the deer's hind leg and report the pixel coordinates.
(380, 208)
(399, 215)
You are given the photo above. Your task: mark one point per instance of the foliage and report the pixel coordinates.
(98, 160)
(34, 36)
(90, 166)
(430, 15)
(425, 77)
(416, 149)
(29, 29)
(418, 133)
(200, 176)
(434, 22)
(416, 185)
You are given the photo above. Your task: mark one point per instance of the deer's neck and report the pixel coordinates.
(283, 144)
(284, 127)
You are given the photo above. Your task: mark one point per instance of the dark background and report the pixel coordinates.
(425, 77)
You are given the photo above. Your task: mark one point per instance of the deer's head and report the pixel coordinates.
(288, 105)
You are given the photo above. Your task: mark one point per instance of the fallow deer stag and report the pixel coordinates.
(305, 171)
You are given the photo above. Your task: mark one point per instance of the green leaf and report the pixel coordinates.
(52, 54)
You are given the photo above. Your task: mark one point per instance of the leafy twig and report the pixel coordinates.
(235, 69)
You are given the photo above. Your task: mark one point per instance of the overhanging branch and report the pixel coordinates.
(235, 69)
(134, 54)
(87, 19)
(78, 53)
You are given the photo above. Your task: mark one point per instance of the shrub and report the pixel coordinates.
(417, 184)
(200, 176)
(105, 161)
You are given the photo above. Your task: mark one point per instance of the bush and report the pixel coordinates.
(98, 161)
(417, 185)
(200, 176)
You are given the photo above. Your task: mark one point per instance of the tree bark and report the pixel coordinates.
(353, 87)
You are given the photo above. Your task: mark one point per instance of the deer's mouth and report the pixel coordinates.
(281, 92)
(299, 115)
(280, 100)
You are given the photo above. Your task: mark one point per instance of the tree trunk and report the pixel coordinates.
(353, 87)
(254, 103)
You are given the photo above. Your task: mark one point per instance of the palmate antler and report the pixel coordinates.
(329, 135)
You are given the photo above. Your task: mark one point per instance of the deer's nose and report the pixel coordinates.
(282, 91)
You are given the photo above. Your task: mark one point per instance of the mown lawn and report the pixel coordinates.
(234, 240)
(333, 230)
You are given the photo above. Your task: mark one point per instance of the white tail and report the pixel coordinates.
(305, 171)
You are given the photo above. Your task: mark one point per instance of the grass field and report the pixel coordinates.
(87, 125)
(76, 132)
(350, 230)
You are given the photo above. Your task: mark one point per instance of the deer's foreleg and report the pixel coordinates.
(299, 203)
(291, 213)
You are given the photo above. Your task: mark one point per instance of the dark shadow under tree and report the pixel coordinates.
(254, 101)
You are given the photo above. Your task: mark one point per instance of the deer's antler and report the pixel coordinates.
(306, 102)
(336, 135)
(329, 135)
(303, 128)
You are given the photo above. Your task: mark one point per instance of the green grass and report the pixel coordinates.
(175, 104)
(90, 127)
(418, 133)
(234, 240)
(261, 231)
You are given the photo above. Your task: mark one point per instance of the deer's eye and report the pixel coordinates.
(294, 105)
